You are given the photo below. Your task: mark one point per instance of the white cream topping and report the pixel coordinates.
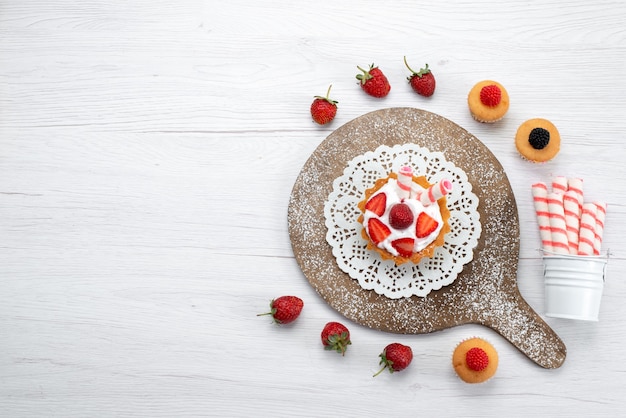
(393, 193)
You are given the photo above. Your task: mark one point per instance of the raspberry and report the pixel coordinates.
(539, 138)
(400, 216)
(490, 95)
(477, 359)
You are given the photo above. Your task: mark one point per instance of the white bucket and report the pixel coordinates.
(573, 286)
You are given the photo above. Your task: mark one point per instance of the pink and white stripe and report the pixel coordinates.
(576, 186)
(435, 192)
(568, 224)
(405, 181)
(558, 230)
(599, 231)
(587, 236)
(572, 219)
(540, 200)
(559, 184)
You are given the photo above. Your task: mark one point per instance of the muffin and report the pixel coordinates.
(475, 360)
(404, 217)
(488, 101)
(538, 140)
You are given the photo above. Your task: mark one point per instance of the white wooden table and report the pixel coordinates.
(147, 154)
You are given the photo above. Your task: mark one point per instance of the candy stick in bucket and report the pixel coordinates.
(599, 231)
(435, 192)
(559, 184)
(558, 229)
(576, 186)
(572, 219)
(540, 199)
(587, 236)
(405, 181)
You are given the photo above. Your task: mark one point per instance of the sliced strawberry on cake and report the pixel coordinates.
(404, 246)
(377, 204)
(377, 230)
(425, 225)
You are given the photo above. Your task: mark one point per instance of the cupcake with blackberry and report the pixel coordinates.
(538, 140)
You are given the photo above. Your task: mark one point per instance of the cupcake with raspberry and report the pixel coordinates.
(475, 360)
(404, 217)
(538, 140)
(488, 101)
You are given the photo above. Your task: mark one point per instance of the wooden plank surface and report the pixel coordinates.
(147, 155)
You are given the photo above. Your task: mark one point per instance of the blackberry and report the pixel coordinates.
(539, 138)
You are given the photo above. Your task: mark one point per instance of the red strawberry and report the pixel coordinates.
(490, 95)
(395, 357)
(324, 109)
(285, 309)
(377, 204)
(373, 82)
(422, 82)
(404, 246)
(335, 336)
(400, 216)
(377, 230)
(477, 359)
(425, 225)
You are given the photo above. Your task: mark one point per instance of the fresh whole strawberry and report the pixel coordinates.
(400, 216)
(335, 336)
(285, 309)
(422, 82)
(395, 357)
(373, 81)
(324, 109)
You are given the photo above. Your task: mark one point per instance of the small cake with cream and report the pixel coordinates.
(404, 217)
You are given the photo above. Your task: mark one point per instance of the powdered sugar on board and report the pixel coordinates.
(485, 292)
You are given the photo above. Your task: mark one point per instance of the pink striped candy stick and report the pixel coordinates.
(576, 186)
(600, 217)
(559, 184)
(435, 192)
(405, 181)
(540, 200)
(572, 219)
(587, 236)
(558, 230)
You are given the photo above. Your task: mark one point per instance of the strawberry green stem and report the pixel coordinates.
(366, 74)
(380, 371)
(407, 66)
(327, 98)
(422, 72)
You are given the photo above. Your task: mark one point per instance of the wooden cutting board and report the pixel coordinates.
(485, 292)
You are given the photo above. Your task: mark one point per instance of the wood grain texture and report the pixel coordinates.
(148, 150)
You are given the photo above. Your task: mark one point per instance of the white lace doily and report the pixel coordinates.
(366, 266)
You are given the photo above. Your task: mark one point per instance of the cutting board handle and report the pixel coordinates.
(527, 331)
